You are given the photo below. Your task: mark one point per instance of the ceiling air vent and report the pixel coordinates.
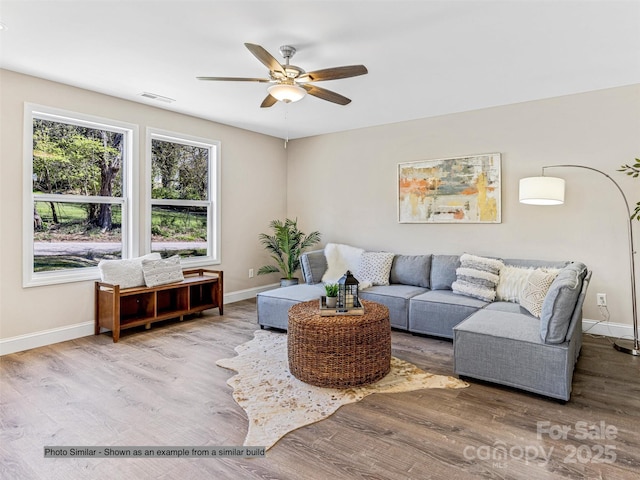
(159, 98)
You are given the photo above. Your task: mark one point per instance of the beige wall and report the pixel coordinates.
(344, 184)
(253, 193)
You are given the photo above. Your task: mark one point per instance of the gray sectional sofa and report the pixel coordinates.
(494, 341)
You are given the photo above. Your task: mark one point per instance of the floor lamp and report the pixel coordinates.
(550, 191)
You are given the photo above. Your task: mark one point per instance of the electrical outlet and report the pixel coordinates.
(251, 273)
(601, 299)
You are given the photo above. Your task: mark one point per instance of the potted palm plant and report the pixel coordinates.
(286, 244)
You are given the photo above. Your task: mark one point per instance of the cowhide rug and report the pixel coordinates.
(277, 403)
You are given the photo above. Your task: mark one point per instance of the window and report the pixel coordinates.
(184, 196)
(77, 209)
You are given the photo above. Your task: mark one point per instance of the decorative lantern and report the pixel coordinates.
(347, 292)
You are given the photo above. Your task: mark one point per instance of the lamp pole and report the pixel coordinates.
(635, 348)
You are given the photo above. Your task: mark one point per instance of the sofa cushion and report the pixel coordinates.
(396, 298)
(506, 348)
(375, 267)
(536, 289)
(411, 270)
(127, 273)
(443, 271)
(163, 271)
(477, 277)
(273, 305)
(508, 307)
(511, 283)
(341, 258)
(436, 312)
(313, 265)
(560, 302)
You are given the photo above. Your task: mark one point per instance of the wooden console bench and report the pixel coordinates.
(117, 309)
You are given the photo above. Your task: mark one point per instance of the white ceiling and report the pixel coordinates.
(425, 58)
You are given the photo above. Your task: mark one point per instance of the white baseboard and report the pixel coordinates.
(248, 293)
(84, 329)
(45, 337)
(607, 329)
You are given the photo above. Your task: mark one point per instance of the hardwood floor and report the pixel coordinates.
(161, 387)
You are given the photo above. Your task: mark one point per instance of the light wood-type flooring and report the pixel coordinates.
(161, 387)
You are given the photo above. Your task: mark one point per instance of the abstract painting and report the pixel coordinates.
(450, 190)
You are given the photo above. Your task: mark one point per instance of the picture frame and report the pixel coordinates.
(451, 190)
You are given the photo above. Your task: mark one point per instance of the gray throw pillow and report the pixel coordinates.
(443, 271)
(411, 270)
(313, 265)
(560, 302)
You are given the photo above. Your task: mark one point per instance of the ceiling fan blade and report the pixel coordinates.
(235, 79)
(333, 73)
(325, 94)
(265, 57)
(268, 101)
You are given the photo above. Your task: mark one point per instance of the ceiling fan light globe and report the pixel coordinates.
(287, 93)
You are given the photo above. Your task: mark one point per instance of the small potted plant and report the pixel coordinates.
(332, 294)
(286, 245)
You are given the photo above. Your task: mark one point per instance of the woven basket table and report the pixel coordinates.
(339, 351)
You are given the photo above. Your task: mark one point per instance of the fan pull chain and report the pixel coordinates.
(286, 124)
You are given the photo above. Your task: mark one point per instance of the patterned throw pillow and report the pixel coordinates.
(534, 293)
(127, 273)
(477, 277)
(160, 272)
(375, 267)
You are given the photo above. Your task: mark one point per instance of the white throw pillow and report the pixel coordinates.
(161, 272)
(126, 273)
(375, 268)
(512, 281)
(341, 258)
(534, 293)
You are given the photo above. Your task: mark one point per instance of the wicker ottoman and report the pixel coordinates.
(339, 351)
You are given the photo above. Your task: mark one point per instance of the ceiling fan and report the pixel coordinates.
(290, 83)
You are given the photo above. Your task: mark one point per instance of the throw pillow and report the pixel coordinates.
(411, 270)
(477, 277)
(535, 291)
(375, 267)
(127, 273)
(560, 302)
(163, 271)
(341, 258)
(512, 281)
(313, 265)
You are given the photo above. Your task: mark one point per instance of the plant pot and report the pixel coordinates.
(287, 282)
(331, 302)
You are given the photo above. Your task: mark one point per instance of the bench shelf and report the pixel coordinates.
(117, 309)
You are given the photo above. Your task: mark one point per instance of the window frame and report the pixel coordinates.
(213, 193)
(129, 236)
